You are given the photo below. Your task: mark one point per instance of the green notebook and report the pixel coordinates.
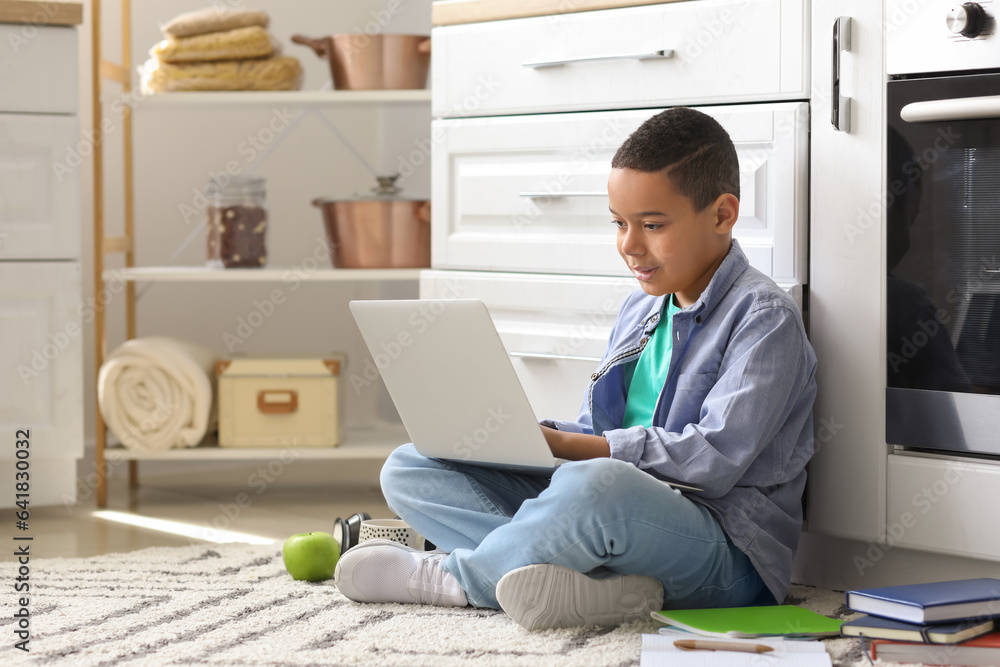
(785, 620)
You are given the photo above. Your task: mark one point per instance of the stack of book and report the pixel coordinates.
(940, 623)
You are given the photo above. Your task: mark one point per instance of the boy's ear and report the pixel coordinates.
(727, 210)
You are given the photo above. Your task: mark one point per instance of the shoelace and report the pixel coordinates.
(429, 582)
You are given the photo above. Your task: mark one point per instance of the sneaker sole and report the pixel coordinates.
(539, 597)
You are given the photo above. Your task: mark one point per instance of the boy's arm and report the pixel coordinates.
(576, 446)
(765, 381)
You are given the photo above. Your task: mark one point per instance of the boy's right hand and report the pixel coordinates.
(575, 446)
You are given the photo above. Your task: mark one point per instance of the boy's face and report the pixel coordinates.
(669, 246)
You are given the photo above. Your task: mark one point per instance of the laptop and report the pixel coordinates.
(452, 382)
(453, 385)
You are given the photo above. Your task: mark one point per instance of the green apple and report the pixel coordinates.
(311, 556)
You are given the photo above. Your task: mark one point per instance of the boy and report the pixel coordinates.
(708, 380)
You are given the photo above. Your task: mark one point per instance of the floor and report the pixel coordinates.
(178, 507)
(204, 503)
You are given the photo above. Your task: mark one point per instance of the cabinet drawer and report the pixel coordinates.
(39, 188)
(38, 68)
(710, 51)
(529, 193)
(555, 328)
(41, 357)
(938, 504)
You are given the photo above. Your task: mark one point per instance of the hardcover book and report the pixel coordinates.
(876, 627)
(935, 602)
(983, 650)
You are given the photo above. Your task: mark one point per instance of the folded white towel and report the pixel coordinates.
(156, 393)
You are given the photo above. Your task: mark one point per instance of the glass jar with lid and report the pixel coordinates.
(237, 223)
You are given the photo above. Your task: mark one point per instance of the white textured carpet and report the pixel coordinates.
(235, 604)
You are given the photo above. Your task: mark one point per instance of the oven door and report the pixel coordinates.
(943, 260)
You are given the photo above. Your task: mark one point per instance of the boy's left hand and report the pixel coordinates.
(575, 446)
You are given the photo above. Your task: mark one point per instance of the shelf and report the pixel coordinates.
(283, 97)
(205, 274)
(358, 444)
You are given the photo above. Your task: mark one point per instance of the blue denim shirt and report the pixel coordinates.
(735, 415)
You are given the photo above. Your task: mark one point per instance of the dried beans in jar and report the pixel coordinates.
(237, 223)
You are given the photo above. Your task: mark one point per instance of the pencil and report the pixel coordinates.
(710, 645)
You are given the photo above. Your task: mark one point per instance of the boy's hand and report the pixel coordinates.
(575, 446)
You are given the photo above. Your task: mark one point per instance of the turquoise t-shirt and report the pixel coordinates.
(650, 372)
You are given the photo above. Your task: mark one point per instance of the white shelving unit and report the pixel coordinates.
(359, 444)
(318, 98)
(208, 275)
(371, 443)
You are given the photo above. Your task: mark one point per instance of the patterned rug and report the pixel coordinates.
(235, 604)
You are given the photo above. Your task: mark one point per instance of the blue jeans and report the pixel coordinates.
(603, 516)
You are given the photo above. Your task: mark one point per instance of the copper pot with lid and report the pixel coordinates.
(359, 61)
(379, 231)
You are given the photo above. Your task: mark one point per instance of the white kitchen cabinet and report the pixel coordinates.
(529, 193)
(38, 68)
(41, 356)
(711, 51)
(520, 215)
(933, 503)
(555, 328)
(847, 477)
(39, 188)
(41, 363)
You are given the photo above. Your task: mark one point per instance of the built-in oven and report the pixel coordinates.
(943, 226)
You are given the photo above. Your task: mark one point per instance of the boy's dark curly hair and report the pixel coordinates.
(692, 150)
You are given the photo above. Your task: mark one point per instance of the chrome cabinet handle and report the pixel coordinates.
(840, 112)
(662, 53)
(960, 108)
(551, 356)
(558, 195)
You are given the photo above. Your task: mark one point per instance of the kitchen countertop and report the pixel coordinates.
(452, 12)
(41, 13)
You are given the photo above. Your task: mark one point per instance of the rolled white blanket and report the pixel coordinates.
(156, 393)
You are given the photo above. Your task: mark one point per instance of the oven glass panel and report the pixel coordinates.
(943, 242)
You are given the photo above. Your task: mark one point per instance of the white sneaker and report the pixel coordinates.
(387, 571)
(539, 597)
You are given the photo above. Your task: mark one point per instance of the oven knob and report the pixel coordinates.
(967, 19)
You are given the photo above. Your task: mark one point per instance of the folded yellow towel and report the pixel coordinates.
(213, 19)
(277, 73)
(251, 42)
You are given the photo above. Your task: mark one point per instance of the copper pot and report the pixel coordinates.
(377, 233)
(373, 62)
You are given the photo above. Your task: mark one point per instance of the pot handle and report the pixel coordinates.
(422, 211)
(320, 46)
(424, 46)
(318, 202)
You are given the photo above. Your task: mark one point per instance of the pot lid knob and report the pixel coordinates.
(386, 185)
